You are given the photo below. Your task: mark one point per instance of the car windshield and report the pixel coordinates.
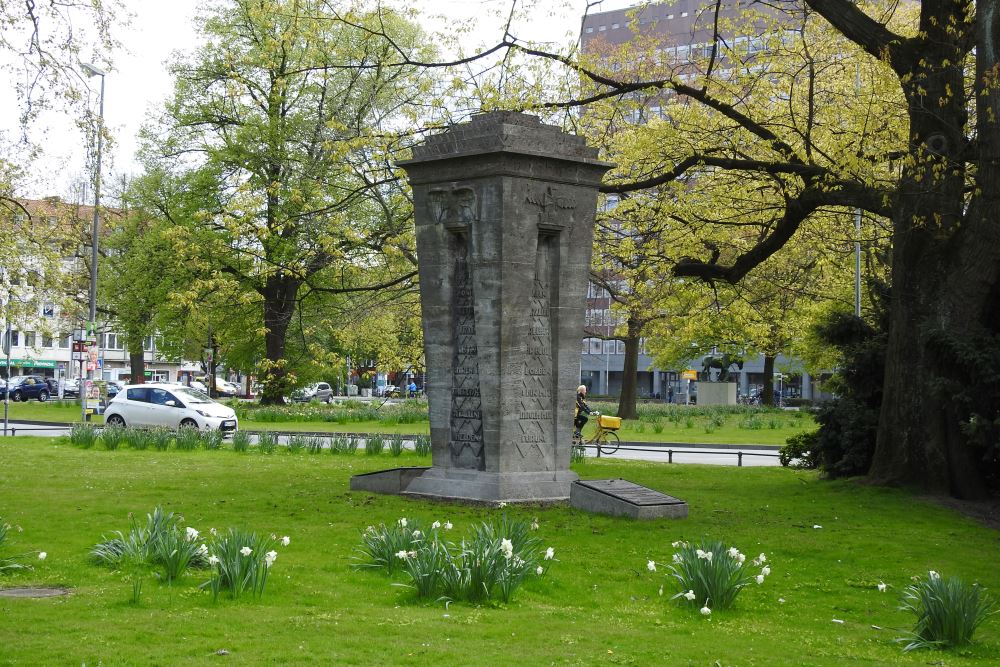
(193, 395)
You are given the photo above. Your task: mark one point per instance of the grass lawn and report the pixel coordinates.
(767, 428)
(597, 605)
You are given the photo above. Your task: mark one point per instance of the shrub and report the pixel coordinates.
(578, 453)
(422, 445)
(315, 445)
(188, 438)
(396, 445)
(657, 426)
(112, 437)
(158, 542)
(947, 610)
(241, 442)
(8, 563)
(374, 444)
(711, 575)
(267, 441)
(83, 435)
(799, 451)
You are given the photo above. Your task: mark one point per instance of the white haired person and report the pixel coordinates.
(582, 410)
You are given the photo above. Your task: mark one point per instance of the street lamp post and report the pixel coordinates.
(92, 71)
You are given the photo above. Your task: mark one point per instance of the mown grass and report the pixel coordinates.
(597, 605)
(657, 422)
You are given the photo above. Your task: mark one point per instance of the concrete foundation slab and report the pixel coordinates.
(393, 481)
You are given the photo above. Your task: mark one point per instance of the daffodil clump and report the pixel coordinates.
(238, 560)
(489, 564)
(708, 576)
(10, 563)
(948, 611)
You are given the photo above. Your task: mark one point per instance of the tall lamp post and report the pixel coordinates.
(92, 71)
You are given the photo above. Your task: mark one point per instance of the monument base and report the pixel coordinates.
(469, 485)
(619, 497)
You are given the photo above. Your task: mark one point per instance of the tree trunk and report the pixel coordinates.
(626, 400)
(944, 269)
(137, 364)
(279, 306)
(767, 393)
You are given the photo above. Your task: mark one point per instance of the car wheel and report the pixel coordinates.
(116, 420)
(43, 396)
(16, 396)
(189, 423)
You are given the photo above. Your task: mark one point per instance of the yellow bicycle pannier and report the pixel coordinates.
(611, 423)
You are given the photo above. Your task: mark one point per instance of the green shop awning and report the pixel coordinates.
(29, 363)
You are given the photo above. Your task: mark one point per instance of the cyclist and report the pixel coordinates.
(582, 410)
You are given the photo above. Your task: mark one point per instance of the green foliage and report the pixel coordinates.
(83, 435)
(240, 561)
(314, 445)
(241, 442)
(710, 574)
(112, 437)
(395, 445)
(490, 565)
(345, 412)
(849, 423)
(267, 442)
(800, 449)
(381, 546)
(948, 612)
(296, 443)
(159, 542)
(188, 438)
(422, 445)
(374, 444)
(212, 439)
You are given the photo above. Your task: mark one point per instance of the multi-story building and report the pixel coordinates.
(682, 34)
(52, 306)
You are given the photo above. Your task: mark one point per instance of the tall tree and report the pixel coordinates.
(284, 121)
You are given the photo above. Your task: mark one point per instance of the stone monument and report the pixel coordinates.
(504, 208)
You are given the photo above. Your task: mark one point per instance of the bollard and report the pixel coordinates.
(739, 459)
(670, 456)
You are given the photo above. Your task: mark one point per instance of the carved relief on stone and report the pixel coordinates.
(453, 205)
(550, 203)
(466, 441)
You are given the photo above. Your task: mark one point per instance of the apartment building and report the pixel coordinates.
(42, 311)
(680, 34)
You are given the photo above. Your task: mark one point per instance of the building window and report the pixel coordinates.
(147, 344)
(46, 340)
(588, 30)
(670, 17)
(64, 340)
(29, 339)
(48, 310)
(684, 14)
(602, 28)
(615, 26)
(609, 347)
(15, 338)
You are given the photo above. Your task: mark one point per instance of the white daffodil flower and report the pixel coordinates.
(705, 611)
(766, 571)
(285, 541)
(402, 522)
(651, 566)
(192, 534)
(246, 551)
(539, 570)
(760, 578)
(213, 560)
(550, 553)
(881, 587)
(435, 525)
(42, 555)
(689, 595)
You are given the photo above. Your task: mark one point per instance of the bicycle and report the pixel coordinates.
(604, 438)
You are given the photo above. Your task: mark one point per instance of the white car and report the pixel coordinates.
(170, 405)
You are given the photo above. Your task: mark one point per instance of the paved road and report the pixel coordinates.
(676, 453)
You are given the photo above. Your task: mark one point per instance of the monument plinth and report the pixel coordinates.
(504, 208)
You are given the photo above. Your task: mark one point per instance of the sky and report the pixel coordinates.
(140, 82)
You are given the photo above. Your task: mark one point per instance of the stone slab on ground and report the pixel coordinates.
(620, 497)
(33, 592)
(391, 481)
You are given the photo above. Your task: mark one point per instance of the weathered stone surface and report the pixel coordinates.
(619, 497)
(33, 592)
(504, 209)
(394, 480)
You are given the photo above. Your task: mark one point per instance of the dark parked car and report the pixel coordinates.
(26, 387)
